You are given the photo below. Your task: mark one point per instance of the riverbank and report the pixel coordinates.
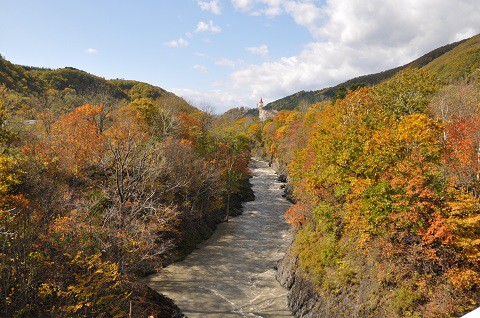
(192, 233)
(302, 300)
(195, 231)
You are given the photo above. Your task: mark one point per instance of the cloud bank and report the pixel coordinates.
(349, 38)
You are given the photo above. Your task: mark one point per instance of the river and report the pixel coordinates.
(232, 274)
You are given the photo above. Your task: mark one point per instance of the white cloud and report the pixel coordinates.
(306, 14)
(91, 51)
(210, 6)
(225, 62)
(243, 5)
(318, 66)
(176, 43)
(269, 8)
(207, 27)
(261, 50)
(201, 68)
(351, 38)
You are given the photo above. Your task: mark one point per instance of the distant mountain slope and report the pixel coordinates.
(459, 62)
(451, 61)
(33, 84)
(73, 79)
(17, 78)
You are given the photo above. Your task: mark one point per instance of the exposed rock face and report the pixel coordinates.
(285, 273)
(282, 173)
(301, 299)
(355, 301)
(288, 193)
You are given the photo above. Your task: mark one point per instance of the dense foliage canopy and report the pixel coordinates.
(386, 182)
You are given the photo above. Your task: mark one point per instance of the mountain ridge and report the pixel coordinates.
(33, 85)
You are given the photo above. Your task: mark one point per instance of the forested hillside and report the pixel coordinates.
(449, 62)
(386, 184)
(102, 182)
(32, 90)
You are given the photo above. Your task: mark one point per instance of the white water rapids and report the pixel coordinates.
(232, 274)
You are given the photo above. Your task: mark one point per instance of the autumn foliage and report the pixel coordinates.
(93, 198)
(386, 184)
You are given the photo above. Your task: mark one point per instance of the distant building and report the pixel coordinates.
(265, 114)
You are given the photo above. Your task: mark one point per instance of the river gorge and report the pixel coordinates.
(232, 274)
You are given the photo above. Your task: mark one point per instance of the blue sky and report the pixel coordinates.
(229, 53)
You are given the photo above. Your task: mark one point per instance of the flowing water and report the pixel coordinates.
(232, 274)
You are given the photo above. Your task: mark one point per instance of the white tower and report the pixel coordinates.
(261, 112)
(260, 104)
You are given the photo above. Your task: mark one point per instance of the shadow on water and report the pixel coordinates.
(232, 274)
